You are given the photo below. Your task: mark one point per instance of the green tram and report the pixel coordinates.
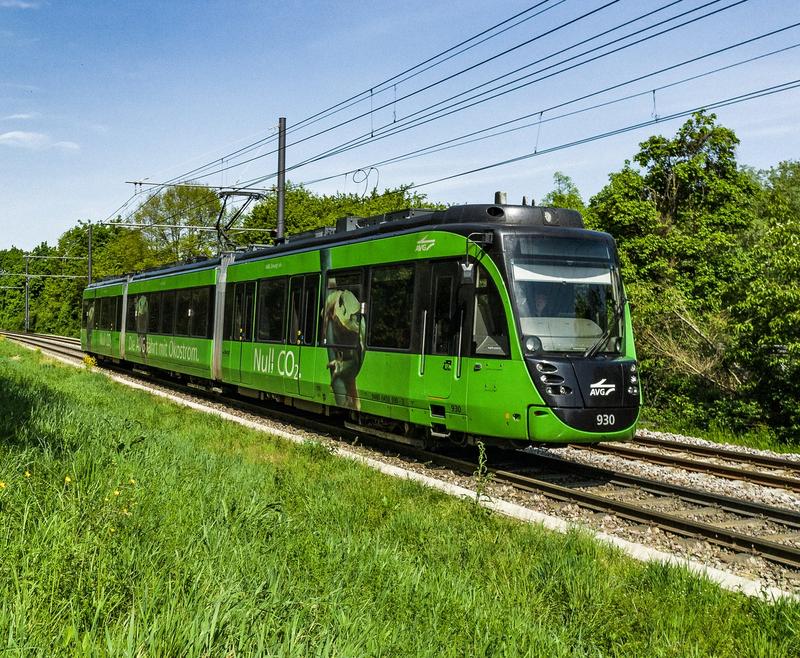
(500, 323)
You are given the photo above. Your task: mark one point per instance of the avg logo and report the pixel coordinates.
(601, 388)
(425, 244)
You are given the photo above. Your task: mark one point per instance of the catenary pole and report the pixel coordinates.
(90, 253)
(281, 175)
(27, 297)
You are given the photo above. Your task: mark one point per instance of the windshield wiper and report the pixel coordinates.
(594, 349)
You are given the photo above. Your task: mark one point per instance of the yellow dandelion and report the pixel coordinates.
(27, 474)
(112, 529)
(2, 485)
(131, 481)
(116, 492)
(67, 480)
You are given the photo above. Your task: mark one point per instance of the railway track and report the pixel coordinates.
(782, 473)
(61, 345)
(740, 526)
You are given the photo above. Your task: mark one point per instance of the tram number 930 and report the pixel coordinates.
(605, 420)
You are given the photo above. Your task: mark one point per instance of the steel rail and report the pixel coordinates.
(722, 453)
(730, 472)
(68, 347)
(697, 496)
(51, 337)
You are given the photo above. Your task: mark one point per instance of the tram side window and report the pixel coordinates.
(130, 320)
(183, 313)
(167, 312)
(302, 309)
(271, 309)
(99, 317)
(391, 302)
(311, 304)
(87, 305)
(107, 313)
(490, 328)
(154, 317)
(201, 323)
(242, 311)
(118, 314)
(342, 318)
(227, 318)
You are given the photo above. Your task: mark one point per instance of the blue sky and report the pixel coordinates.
(93, 94)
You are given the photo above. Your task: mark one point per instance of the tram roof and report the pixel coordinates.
(463, 218)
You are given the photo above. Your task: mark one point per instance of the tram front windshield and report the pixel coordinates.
(567, 293)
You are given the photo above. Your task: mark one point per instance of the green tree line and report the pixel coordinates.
(710, 254)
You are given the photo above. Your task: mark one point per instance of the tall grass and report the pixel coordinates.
(133, 527)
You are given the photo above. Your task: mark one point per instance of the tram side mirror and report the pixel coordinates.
(467, 274)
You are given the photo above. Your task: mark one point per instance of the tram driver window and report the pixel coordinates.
(490, 329)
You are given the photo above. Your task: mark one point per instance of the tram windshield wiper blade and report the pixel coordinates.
(594, 349)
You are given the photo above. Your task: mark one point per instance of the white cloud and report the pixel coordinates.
(22, 116)
(34, 141)
(19, 87)
(19, 4)
(67, 146)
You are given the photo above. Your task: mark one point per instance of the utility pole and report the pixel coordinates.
(27, 298)
(281, 176)
(90, 252)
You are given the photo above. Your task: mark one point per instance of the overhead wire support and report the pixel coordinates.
(223, 240)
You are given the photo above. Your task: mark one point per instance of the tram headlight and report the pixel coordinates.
(532, 344)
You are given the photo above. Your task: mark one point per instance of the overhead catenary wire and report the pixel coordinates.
(459, 106)
(442, 145)
(422, 120)
(248, 184)
(409, 73)
(398, 127)
(429, 149)
(427, 87)
(734, 100)
(456, 141)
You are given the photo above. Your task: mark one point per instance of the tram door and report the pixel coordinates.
(443, 330)
(239, 328)
(301, 330)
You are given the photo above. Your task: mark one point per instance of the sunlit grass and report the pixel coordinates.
(131, 526)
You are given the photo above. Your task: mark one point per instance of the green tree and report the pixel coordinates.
(564, 195)
(188, 205)
(680, 220)
(767, 309)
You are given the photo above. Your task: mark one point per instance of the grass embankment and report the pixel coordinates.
(131, 526)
